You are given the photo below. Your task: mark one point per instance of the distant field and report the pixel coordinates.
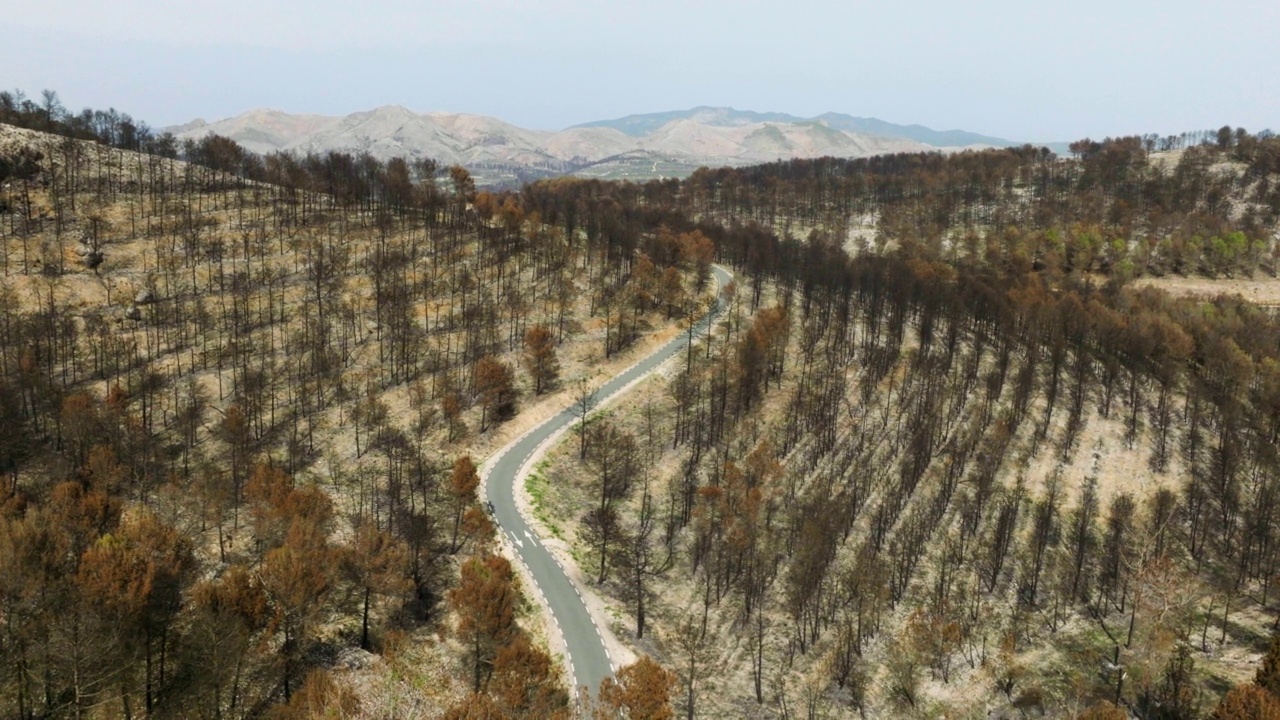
(637, 170)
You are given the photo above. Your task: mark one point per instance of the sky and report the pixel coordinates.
(1028, 70)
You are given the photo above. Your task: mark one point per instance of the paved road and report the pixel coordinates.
(589, 662)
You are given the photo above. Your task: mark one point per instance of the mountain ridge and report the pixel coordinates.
(634, 147)
(643, 123)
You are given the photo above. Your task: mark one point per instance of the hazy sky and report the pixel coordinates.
(1020, 69)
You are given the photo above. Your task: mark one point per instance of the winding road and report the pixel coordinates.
(588, 660)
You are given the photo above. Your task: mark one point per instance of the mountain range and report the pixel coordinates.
(640, 125)
(670, 144)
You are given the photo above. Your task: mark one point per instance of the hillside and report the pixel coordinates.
(955, 450)
(961, 466)
(240, 426)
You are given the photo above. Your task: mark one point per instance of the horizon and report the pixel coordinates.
(1048, 73)
(598, 121)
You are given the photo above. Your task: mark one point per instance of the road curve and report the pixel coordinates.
(589, 661)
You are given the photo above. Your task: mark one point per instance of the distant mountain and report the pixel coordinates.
(261, 131)
(641, 125)
(919, 133)
(638, 125)
(637, 146)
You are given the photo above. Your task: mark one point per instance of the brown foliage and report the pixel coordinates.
(463, 482)
(376, 563)
(641, 692)
(477, 706)
(103, 471)
(527, 683)
(82, 515)
(671, 290)
(697, 251)
(493, 379)
(320, 698)
(138, 573)
(298, 576)
(1247, 702)
(236, 594)
(230, 616)
(277, 507)
(540, 357)
(485, 601)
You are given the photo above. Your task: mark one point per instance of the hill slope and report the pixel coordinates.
(192, 335)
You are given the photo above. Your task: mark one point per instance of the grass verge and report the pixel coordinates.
(537, 485)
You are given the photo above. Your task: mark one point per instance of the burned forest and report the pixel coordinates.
(962, 442)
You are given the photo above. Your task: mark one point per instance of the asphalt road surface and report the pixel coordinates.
(589, 661)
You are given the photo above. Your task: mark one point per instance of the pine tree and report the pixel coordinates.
(540, 357)
(463, 482)
(485, 601)
(641, 692)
